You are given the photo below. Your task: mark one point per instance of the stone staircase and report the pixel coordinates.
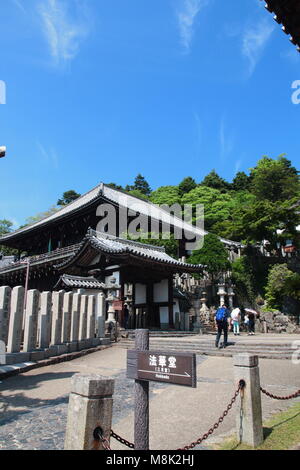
(205, 345)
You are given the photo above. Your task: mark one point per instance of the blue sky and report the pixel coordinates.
(101, 90)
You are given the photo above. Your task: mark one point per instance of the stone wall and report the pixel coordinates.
(277, 322)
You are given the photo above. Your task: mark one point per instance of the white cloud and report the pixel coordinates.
(254, 40)
(49, 156)
(19, 5)
(186, 19)
(66, 25)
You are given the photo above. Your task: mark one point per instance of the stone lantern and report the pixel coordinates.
(231, 294)
(111, 289)
(221, 292)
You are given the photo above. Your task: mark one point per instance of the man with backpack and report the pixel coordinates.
(221, 319)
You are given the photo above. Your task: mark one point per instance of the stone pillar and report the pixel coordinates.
(100, 312)
(5, 295)
(2, 353)
(57, 305)
(16, 320)
(31, 320)
(75, 317)
(249, 416)
(90, 407)
(91, 321)
(66, 317)
(45, 320)
(83, 322)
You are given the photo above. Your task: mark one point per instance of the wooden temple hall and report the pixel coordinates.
(64, 251)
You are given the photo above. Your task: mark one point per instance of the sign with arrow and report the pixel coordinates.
(168, 367)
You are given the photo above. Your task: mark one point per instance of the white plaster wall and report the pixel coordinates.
(140, 293)
(161, 291)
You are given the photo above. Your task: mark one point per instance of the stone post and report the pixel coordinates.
(2, 353)
(90, 407)
(249, 416)
(56, 345)
(91, 321)
(16, 320)
(100, 322)
(83, 322)
(45, 320)
(66, 317)
(31, 320)
(75, 317)
(5, 295)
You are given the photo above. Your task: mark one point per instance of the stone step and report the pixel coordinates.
(210, 350)
(197, 345)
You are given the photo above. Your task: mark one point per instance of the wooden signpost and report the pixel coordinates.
(144, 366)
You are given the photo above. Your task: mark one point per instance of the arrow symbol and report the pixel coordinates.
(165, 373)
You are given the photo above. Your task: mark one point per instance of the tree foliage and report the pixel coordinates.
(213, 255)
(68, 197)
(282, 282)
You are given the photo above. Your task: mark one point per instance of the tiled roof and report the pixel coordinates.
(287, 13)
(77, 282)
(107, 244)
(122, 199)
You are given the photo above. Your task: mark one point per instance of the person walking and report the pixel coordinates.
(251, 325)
(235, 317)
(222, 319)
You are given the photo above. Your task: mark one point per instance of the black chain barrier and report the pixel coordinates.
(275, 397)
(120, 439)
(98, 432)
(242, 384)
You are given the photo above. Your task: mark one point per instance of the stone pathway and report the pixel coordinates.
(33, 406)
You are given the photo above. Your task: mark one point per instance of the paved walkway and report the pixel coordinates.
(33, 405)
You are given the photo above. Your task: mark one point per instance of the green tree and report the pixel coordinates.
(241, 182)
(141, 185)
(213, 255)
(165, 195)
(150, 238)
(6, 227)
(213, 180)
(40, 216)
(282, 282)
(68, 196)
(275, 180)
(243, 278)
(186, 185)
(115, 186)
(216, 205)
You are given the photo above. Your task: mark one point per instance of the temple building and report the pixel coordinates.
(74, 248)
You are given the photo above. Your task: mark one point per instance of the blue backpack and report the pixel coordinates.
(221, 314)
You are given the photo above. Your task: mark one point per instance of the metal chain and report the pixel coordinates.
(98, 435)
(289, 397)
(220, 420)
(120, 439)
